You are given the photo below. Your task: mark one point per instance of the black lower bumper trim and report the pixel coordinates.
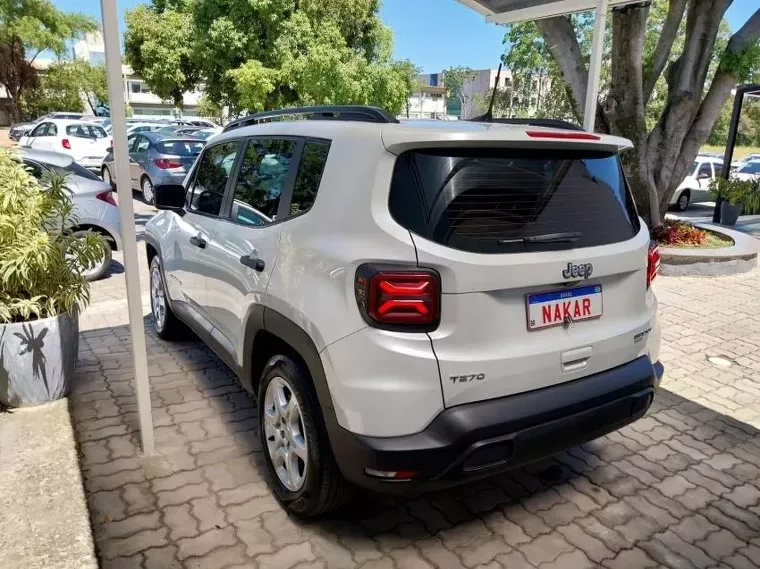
(482, 438)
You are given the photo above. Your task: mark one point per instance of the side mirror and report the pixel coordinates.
(170, 197)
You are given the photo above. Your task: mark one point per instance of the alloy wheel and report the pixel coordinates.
(285, 434)
(157, 298)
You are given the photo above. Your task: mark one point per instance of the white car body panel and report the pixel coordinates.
(383, 383)
(698, 188)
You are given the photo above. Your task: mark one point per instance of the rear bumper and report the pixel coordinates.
(480, 439)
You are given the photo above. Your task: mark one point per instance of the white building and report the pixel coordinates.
(136, 92)
(427, 102)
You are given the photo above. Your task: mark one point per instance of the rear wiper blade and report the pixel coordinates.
(564, 237)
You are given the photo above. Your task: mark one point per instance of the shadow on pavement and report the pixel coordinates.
(679, 487)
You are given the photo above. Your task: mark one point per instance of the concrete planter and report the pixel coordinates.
(37, 360)
(741, 257)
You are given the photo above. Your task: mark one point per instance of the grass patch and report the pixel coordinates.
(739, 152)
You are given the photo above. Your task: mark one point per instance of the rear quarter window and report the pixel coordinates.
(501, 200)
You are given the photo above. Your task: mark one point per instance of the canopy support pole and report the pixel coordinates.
(111, 40)
(595, 66)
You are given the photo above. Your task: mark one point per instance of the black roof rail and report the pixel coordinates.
(550, 123)
(359, 113)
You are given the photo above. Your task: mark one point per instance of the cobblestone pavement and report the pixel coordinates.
(679, 488)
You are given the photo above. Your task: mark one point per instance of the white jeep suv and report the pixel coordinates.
(413, 304)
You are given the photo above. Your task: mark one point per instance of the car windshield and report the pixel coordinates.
(750, 168)
(498, 201)
(180, 147)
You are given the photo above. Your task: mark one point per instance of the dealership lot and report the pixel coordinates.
(679, 488)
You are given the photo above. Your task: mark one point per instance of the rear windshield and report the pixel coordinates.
(180, 147)
(85, 131)
(506, 201)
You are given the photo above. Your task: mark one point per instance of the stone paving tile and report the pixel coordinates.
(679, 488)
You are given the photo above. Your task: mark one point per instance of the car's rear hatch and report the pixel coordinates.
(542, 258)
(177, 155)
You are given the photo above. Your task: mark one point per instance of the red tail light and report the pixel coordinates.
(107, 197)
(653, 263)
(166, 163)
(66, 144)
(562, 135)
(397, 299)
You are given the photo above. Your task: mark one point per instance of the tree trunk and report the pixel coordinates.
(660, 159)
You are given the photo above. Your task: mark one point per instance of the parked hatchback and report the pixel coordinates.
(695, 187)
(154, 159)
(86, 143)
(414, 305)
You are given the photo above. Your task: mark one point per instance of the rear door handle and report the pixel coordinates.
(253, 262)
(198, 241)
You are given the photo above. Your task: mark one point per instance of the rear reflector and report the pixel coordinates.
(391, 475)
(66, 144)
(653, 263)
(562, 135)
(397, 298)
(166, 163)
(107, 197)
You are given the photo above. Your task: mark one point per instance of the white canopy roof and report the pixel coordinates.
(513, 11)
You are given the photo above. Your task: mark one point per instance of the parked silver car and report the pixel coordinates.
(20, 129)
(155, 159)
(93, 200)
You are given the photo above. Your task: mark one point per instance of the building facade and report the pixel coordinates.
(137, 94)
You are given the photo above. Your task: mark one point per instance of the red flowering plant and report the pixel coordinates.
(674, 233)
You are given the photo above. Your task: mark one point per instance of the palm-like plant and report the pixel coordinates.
(41, 261)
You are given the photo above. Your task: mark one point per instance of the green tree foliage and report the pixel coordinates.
(262, 54)
(41, 261)
(669, 67)
(27, 28)
(67, 86)
(454, 79)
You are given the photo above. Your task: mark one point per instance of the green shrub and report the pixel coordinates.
(41, 261)
(735, 191)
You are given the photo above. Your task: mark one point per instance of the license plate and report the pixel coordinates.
(553, 308)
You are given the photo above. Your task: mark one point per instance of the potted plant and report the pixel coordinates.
(737, 195)
(41, 285)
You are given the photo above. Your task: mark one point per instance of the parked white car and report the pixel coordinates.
(695, 187)
(87, 143)
(748, 171)
(143, 127)
(93, 200)
(415, 305)
(736, 164)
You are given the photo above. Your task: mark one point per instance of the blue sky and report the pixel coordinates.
(434, 34)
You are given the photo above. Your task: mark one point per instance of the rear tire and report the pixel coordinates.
(105, 173)
(682, 204)
(168, 326)
(103, 267)
(320, 487)
(146, 187)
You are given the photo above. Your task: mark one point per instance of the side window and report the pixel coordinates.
(260, 181)
(309, 175)
(39, 130)
(206, 191)
(131, 143)
(705, 170)
(52, 130)
(142, 144)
